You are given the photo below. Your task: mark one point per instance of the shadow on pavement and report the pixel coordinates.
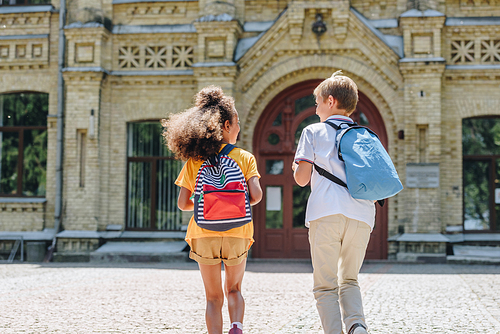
(297, 266)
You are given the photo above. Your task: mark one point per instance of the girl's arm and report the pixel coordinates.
(183, 202)
(255, 190)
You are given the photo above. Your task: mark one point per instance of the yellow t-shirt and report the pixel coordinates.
(187, 179)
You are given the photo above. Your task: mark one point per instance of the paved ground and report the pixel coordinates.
(169, 298)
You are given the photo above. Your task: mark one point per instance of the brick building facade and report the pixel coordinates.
(428, 74)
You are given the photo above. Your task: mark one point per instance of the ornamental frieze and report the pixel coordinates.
(24, 51)
(134, 57)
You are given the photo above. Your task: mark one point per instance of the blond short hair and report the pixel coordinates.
(341, 88)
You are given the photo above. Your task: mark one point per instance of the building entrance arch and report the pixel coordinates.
(279, 218)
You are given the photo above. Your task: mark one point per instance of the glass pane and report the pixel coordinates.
(145, 140)
(476, 195)
(303, 103)
(168, 215)
(139, 195)
(300, 197)
(273, 139)
(9, 151)
(24, 109)
(481, 136)
(274, 167)
(363, 120)
(309, 120)
(277, 121)
(35, 162)
(497, 194)
(274, 207)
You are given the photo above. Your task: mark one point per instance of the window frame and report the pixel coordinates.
(24, 3)
(20, 156)
(153, 161)
(491, 187)
(491, 159)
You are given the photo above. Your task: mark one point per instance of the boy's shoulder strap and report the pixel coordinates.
(338, 127)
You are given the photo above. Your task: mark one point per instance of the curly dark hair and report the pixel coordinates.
(197, 132)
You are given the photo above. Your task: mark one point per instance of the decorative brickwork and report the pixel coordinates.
(159, 13)
(26, 54)
(478, 51)
(164, 57)
(462, 51)
(22, 216)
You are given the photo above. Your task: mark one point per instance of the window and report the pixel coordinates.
(481, 173)
(24, 2)
(152, 170)
(23, 144)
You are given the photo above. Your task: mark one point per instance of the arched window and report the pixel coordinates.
(481, 173)
(23, 144)
(152, 170)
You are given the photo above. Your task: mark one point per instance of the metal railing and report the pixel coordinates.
(18, 243)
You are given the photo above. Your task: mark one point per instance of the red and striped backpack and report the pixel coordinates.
(221, 198)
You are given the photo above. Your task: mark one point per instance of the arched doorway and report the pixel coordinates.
(279, 218)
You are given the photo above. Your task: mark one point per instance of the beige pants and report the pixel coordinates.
(338, 246)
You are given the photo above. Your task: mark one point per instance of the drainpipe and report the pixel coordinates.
(60, 125)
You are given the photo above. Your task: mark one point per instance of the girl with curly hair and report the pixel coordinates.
(195, 135)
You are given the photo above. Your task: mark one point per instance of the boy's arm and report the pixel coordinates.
(302, 172)
(255, 190)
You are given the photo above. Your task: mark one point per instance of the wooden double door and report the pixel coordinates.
(279, 218)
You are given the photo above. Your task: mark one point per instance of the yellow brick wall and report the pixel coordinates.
(152, 13)
(465, 94)
(262, 10)
(470, 8)
(81, 203)
(22, 216)
(375, 10)
(134, 99)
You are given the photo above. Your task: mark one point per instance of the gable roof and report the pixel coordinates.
(392, 41)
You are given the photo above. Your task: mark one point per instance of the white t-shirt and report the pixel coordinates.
(317, 144)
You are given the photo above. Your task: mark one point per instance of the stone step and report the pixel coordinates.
(474, 255)
(145, 251)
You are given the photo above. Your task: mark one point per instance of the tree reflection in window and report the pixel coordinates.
(481, 160)
(308, 121)
(303, 103)
(476, 195)
(23, 144)
(481, 136)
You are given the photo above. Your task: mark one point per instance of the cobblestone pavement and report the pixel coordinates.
(169, 298)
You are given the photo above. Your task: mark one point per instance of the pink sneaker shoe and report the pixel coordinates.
(235, 330)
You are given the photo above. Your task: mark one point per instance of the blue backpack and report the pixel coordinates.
(370, 173)
(221, 197)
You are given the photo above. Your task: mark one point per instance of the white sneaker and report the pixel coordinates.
(360, 330)
(357, 329)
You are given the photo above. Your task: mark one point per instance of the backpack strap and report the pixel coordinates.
(228, 148)
(214, 160)
(329, 176)
(338, 127)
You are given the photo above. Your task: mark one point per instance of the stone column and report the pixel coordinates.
(422, 68)
(217, 40)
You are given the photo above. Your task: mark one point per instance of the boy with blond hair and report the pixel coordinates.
(339, 225)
